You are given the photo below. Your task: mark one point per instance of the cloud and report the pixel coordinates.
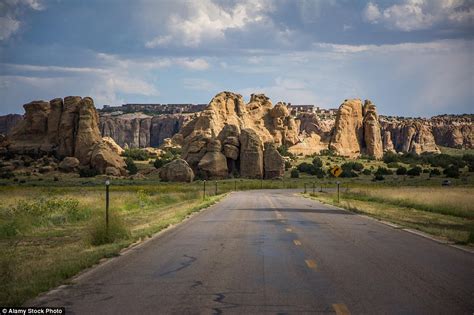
(412, 15)
(207, 20)
(193, 64)
(372, 13)
(11, 12)
(199, 84)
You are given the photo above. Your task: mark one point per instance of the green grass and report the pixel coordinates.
(445, 212)
(48, 235)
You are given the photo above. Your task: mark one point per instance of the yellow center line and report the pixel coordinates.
(341, 309)
(310, 263)
(288, 230)
(297, 242)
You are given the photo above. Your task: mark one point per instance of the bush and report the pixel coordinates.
(295, 173)
(136, 154)
(452, 171)
(283, 150)
(435, 172)
(99, 234)
(383, 171)
(317, 162)
(287, 165)
(305, 168)
(401, 170)
(415, 171)
(355, 166)
(425, 171)
(390, 157)
(320, 173)
(327, 152)
(131, 166)
(164, 159)
(366, 172)
(379, 177)
(7, 175)
(393, 165)
(88, 172)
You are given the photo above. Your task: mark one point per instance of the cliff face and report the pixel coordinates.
(64, 129)
(7, 122)
(453, 131)
(139, 131)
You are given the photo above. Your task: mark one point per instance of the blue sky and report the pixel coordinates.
(410, 57)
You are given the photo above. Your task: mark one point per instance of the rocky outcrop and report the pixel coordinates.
(177, 171)
(273, 162)
(7, 122)
(413, 136)
(251, 154)
(453, 131)
(357, 130)
(64, 129)
(240, 129)
(372, 131)
(138, 130)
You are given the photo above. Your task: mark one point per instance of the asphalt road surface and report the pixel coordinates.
(273, 252)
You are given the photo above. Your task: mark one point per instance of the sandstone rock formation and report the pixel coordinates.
(138, 130)
(409, 136)
(69, 164)
(453, 131)
(240, 131)
(274, 163)
(357, 130)
(7, 122)
(177, 171)
(63, 129)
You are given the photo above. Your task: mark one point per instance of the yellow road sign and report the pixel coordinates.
(336, 171)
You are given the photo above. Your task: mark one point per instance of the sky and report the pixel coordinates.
(410, 57)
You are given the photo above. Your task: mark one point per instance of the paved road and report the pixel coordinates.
(274, 252)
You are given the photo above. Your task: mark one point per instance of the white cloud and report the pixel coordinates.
(372, 13)
(8, 26)
(193, 64)
(413, 15)
(10, 15)
(207, 20)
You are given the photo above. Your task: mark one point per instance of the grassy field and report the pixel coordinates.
(48, 234)
(446, 212)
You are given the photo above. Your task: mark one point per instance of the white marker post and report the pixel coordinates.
(204, 191)
(338, 182)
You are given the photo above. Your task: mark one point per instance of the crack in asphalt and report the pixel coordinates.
(184, 265)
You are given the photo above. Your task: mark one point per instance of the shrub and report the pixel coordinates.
(164, 159)
(355, 166)
(283, 150)
(136, 154)
(99, 234)
(295, 173)
(131, 166)
(7, 174)
(379, 177)
(452, 171)
(415, 171)
(393, 165)
(383, 171)
(320, 173)
(328, 152)
(390, 157)
(366, 172)
(435, 172)
(88, 172)
(401, 170)
(426, 171)
(287, 165)
(317, 162)
(305, 167)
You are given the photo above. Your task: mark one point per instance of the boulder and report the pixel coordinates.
(113, 145)
(102, 158)
(273, 162)
(231, 151)
(112, 171)
(177, 171)
(69, 164)
(251, 154)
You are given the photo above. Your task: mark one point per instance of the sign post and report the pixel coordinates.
(338, 183)
(204, 191)
(216, 188)
(305, 188)
(107, 203)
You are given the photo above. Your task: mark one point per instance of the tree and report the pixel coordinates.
(452, 171)
(415, 171)
(295, 173)
(401, 170)
(131, 167)
(317, 162)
